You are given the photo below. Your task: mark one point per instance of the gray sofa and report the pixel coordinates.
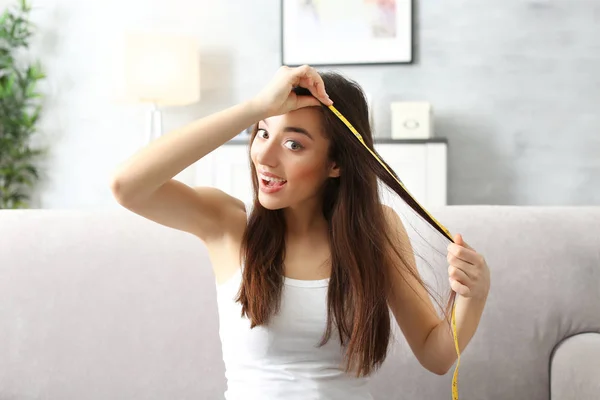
(107, 305)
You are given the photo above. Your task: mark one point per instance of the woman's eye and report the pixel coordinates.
(293, 145)
(260, 132)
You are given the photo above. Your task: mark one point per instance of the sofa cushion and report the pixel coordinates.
(575, 369)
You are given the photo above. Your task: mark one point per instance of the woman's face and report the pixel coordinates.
(289, 153)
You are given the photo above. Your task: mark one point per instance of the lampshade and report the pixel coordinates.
(162, 69)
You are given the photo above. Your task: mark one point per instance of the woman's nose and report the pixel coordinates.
(267, 154)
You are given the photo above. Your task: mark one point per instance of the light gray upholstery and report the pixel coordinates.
(107, 305)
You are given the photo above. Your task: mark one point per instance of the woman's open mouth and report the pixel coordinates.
(269, 184)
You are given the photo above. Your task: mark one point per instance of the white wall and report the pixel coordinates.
(515, 89)
(88, 129)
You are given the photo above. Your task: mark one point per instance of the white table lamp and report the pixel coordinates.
(161, 70)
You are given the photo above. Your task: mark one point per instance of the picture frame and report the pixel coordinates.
(346, 32)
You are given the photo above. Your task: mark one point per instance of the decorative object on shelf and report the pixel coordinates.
(161, 70)
(346, 32)
(412, 120)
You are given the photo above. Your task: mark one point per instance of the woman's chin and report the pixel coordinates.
(270, 203)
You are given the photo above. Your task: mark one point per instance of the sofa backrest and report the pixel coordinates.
(105, 304)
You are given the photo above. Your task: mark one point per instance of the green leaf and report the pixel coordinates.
(4, 17)
(15, 200)
(24, 180)
(32, 170)
(10, 83)
(25, 6)
(17, 196)
(35, 72)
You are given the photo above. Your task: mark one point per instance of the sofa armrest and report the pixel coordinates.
(575, 368)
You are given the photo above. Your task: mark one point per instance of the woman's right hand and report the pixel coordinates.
(277, 97)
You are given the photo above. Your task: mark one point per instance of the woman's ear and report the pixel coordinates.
(334, 170)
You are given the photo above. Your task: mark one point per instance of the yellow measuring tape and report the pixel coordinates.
(454, 334)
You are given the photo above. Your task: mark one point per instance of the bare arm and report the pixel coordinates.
(430, 337)
(144, 183)
(151, 167)
(440, 343)
(469, 276)
(409, 301)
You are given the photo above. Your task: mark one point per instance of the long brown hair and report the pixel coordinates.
(362, 246)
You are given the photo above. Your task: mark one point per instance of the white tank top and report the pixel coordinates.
(283, 360)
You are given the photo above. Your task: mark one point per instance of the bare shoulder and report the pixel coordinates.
(394, 223)
(388, 211)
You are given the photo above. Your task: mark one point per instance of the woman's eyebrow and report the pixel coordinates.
(298, 130)
(293, 129)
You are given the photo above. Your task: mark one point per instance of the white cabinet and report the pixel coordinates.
(420, 165)
(231, 171)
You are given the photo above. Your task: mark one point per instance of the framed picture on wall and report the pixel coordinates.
(346, 32)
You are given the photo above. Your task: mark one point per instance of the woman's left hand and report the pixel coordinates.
(468, 272)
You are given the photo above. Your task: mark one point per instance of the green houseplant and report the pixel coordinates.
(20, 107)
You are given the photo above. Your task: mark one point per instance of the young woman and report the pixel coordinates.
(308, 273)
